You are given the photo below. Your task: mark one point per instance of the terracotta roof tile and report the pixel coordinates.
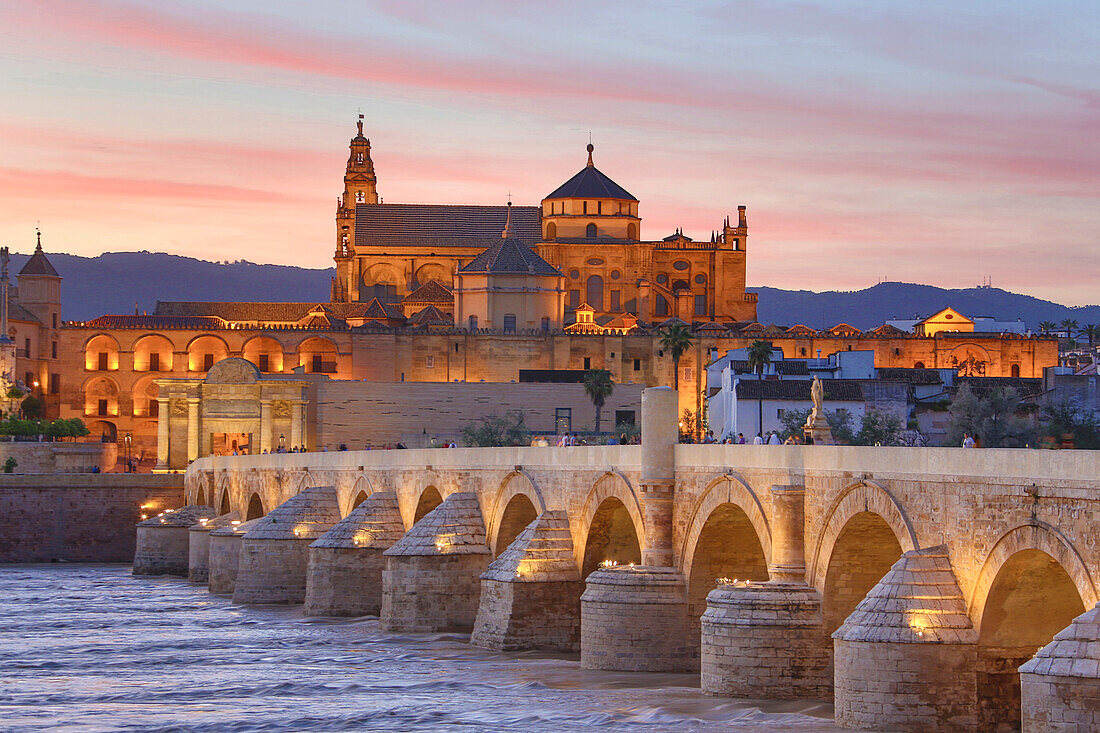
(430, 292)
(441, 225)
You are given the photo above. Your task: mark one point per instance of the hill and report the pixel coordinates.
(115, 281)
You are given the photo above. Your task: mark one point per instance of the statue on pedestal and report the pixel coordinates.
(817, 428)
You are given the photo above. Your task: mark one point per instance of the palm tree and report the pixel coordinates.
(760, 355)
(1070, 325)
(1047, 326)
(598, 387)
(676, 339)
(1091, 331)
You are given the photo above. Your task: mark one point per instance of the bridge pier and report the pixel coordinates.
(432, 578)
(1060, 685)
(275, 552)
(198, 555)
(225, 556)
(906, 658)
(765, 639)
(163, 545)
(346, 563)
(531, 594)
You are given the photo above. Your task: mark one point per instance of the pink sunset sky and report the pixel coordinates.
(937, 142)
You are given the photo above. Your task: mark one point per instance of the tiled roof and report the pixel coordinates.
(430, 292)
(38, 264)
(1026, 387)
(913, 376)
(256, 312)
(798, 390)
(441, 225)
(198, 323)
(844, 329)
(511, 256)
(431, 316)
(590, 182)
(17, 312)
(887, 330)
(378, 309)
(800, 330)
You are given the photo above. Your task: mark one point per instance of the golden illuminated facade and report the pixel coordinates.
(589, 229)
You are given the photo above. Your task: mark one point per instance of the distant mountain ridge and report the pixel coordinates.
(113, 282)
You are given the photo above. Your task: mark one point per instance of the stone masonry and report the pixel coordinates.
(346, 564)
(1061, 683)
(225, 555)
(531, 594)
(275, 552)
(198, 563)
(432, 578)
(163, 541)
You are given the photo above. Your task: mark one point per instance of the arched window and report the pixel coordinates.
(594, 292)
(919, 365)
(360, 197)
(551, 230)
(473, 323)
(358, 157)
(631, 231)
(1016, 370)
(590, 231)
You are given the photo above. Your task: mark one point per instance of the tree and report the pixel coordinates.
(598, 386)
(992, 418)
(1070, 325)
(1069, 418)
(1047, 326)
(676, 339)
(879, 428)
(494, 431)
(31, 407)
(760, 355)
(1091, 331)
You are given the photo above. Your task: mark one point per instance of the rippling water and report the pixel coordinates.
(90, 648)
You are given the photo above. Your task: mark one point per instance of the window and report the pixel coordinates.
(509, 323)
(55, 383)
(101, 407)
(637, 365)
(563, 420)
(585, 207)
(473, 323)
(27, 347)
(154, 407)
(631, 231)
(29, 379)
(802, 351)
(103, 360)
(700, 279)
(1016, 370)
(551, 230)
(616, 301)
(207, 362)
(662, 278)
(588, 362)
(53, 350)
(154, 362)
(662, 305)
(360, 197)
(701, 304)
(689, 373)
(599, 207)
(546, 323)
(265, 363)
(384, 292)
(54, 319)
(919, 365)
(897, 352)
(594, 292)
(590, 231)
(318, 362)
(456, 347)
(574, 298)
(624, 417)
(429, 362)
(358, 157)
(779, 413)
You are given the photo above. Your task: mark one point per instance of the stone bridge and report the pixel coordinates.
(936, 572)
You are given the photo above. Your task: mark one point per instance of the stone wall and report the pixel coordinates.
(80, 517)
(48, 458)
(374, 413)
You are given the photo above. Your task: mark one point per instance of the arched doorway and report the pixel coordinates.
(255, 508)
(359, 499)
(1032, 598)
(728, 547)
(517, 515)
(611, 536)
(225, 502)
(864, 551)
(429, 499)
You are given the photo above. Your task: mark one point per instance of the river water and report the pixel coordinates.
(91, 648)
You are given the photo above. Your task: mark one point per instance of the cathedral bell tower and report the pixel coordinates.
(360, 187)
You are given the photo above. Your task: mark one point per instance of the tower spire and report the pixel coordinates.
(359, 124)
(590, 149)
(508, 232)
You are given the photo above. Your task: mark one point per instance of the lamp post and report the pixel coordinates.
(128, 441)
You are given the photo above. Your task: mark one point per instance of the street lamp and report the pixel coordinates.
(128, 441)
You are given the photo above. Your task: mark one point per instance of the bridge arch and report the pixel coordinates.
(224, 502)
(518, 501)
(360, 490)
(728, 536)
(865, 532)
(611, 524)
(1031, 586)
(428, 499)
(255, 507)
